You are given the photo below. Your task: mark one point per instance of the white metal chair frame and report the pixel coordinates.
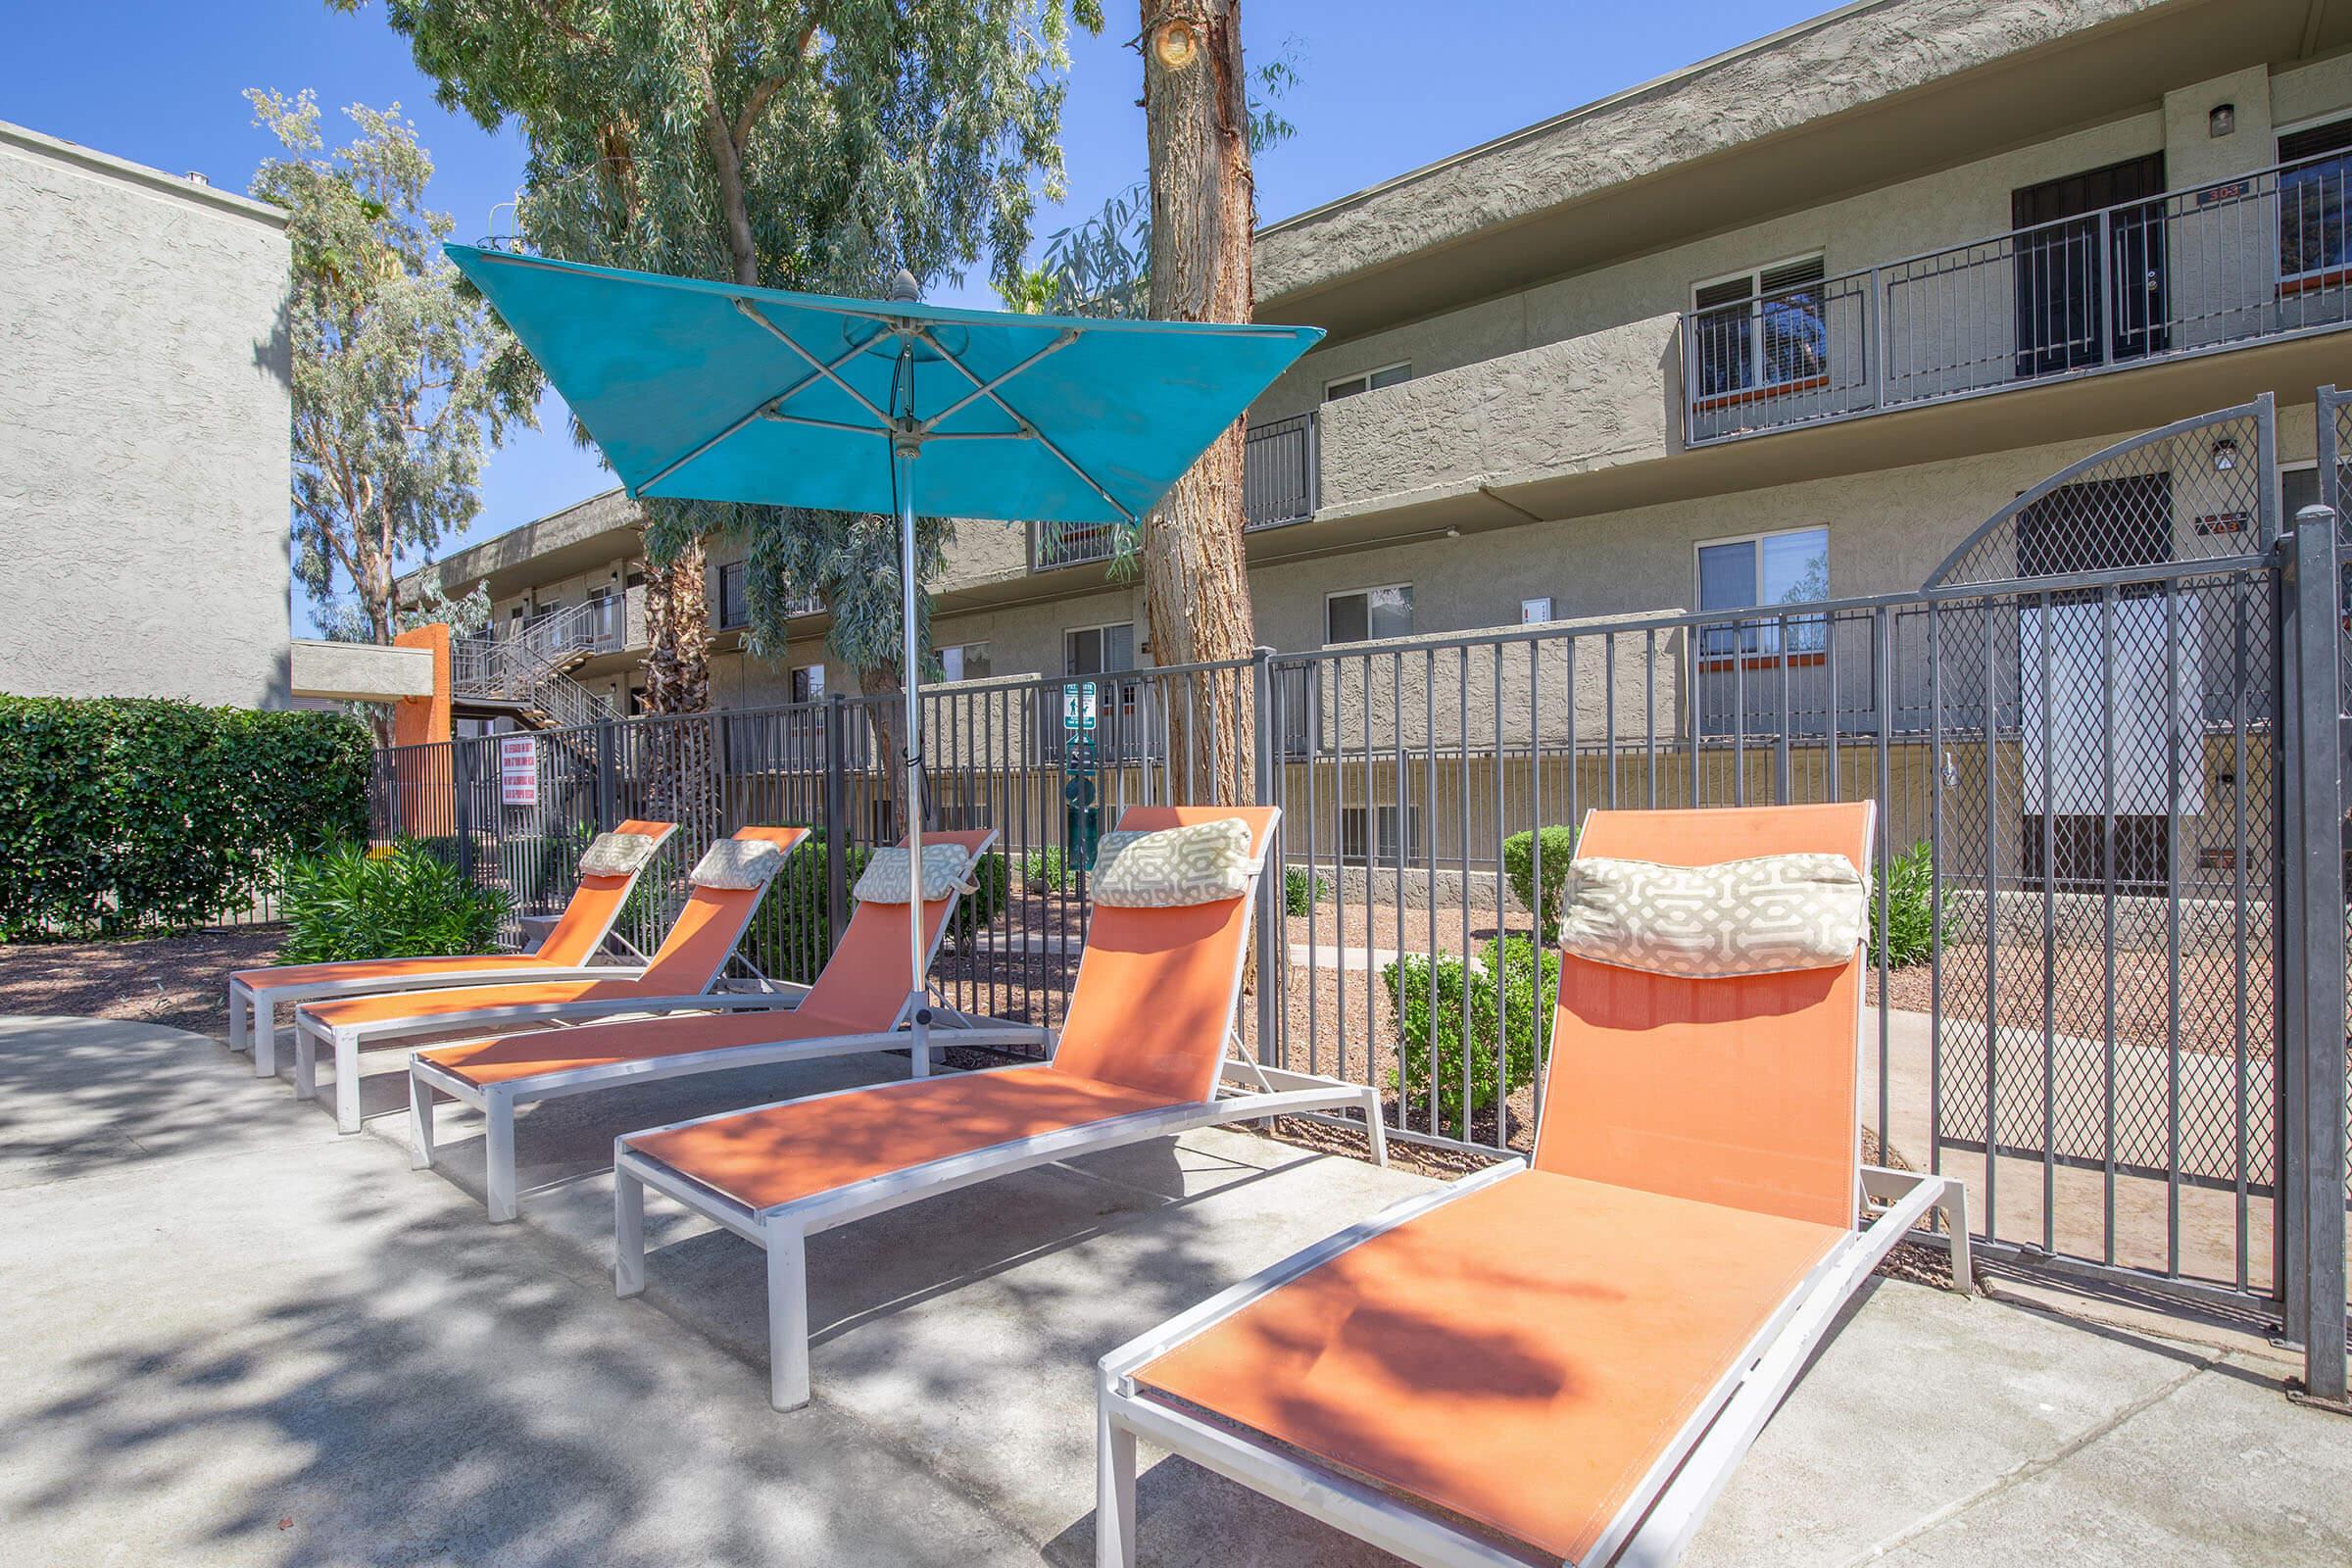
(783, 1230)
(252, 1009)
(348, 1040)
(498, 1101)
(1662, 1512)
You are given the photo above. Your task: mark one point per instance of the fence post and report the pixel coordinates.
(2311, 1185)
(460, 780)
(837, 851)
(1273, 935)
(608, 793)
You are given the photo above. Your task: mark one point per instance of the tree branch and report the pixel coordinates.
(721, 139)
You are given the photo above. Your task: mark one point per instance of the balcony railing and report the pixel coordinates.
(2255, 258)
(1281, 483)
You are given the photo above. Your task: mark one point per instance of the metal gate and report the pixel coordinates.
(2105, 692)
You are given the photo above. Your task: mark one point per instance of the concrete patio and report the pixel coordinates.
(238, 1338)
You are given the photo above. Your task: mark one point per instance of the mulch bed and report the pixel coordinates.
(180, 982)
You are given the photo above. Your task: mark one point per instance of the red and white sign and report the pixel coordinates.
(518, 770)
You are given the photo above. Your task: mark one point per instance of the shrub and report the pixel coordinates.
(1519, 865)
(1302, 889)
(123, 816)
(351, 903)
(1906, 930)
(1045, 870)
(551, 865)
(1426, 998)
(793, 935)
(991, 879)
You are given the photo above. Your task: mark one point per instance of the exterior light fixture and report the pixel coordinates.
(2223, 121)
(2225, 455)
(1176, 43)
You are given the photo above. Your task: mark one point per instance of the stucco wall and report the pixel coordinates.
(144, 459)
(1810, 72)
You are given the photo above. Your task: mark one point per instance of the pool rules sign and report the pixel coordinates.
(518, 770)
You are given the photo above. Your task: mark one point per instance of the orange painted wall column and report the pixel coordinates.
(429, 808)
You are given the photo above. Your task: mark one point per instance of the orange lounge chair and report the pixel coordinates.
(256, 994)
(1563, 1362)
(1140, 1055)
(680, 975)
(856, 1005)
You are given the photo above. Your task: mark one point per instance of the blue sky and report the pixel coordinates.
(1387, 85)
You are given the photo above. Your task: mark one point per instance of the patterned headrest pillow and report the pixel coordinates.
(1769, 916)
(1175, 866)
(945, 870)
(619, 853)
(742, 865)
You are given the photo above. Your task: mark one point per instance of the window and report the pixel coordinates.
(2315, 244)
(1097, 650)
(733, 610)
(1364, 614)
(1759, 571)
(2298, 487)
(1357, 820)
(1093, 650)
(1349, 386)
(1295, 695)
(605, 625)
(965, 661)
(808, 683)
(1762, 330)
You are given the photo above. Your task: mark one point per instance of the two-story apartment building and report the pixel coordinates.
(1783, 326)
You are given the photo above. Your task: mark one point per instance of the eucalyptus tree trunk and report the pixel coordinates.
(1196, 572)
(1196, 576)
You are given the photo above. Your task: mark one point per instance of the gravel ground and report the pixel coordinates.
(177, 981)
(2210, 992)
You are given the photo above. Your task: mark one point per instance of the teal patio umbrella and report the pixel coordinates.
(708, 391)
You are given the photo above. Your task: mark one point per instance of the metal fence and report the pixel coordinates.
(2074, 732)
(2260, 256)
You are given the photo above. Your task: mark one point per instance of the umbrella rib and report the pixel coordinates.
(820, 367)
(768, 411)
(1028, 427)
(1070, 335)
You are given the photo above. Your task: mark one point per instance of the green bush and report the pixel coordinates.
(395, 903)
(124, 816)
(1045, 871)
(991, 879)
(793, 935)
(1519, 864)
(1301, 889)
(1426, 1000)
(551, 866)
(1906, 930)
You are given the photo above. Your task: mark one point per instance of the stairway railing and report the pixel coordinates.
(527, 667)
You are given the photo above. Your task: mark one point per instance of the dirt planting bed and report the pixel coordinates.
(180, 982)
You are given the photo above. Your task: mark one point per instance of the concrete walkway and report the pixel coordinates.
(236, 1338)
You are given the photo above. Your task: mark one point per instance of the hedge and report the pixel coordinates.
(122, 816)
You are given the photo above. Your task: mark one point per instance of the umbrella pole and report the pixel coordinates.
(902, 452)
